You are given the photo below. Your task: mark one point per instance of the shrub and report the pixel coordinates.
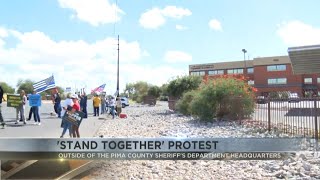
(202, 107)
(226, 96)
(183, 105)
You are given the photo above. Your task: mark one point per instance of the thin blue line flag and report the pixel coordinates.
(44, 85)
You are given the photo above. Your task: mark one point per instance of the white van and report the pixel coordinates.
(124, 102)
(293, 97)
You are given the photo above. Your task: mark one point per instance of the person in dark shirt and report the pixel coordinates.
(83, 104)
(57, 102)
(1, 97)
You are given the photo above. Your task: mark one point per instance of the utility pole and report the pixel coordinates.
(118, 70)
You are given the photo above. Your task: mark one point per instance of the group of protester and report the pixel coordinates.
(70, 105)
(114, 106)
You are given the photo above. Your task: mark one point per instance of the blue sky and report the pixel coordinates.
(74, 39)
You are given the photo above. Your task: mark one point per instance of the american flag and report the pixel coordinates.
(44, 85)
(98, 89)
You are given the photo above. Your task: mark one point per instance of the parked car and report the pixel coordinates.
(293, 97)
(261, 100)
(124, 102)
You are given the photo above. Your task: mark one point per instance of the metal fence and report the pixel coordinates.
(299, 116)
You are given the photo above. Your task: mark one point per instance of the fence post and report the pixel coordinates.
(316, 120)
(269, 115)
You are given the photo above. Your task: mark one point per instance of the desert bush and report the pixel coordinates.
(183, 105)
(223, 97)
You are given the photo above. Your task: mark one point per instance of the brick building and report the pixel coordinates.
(267, 74)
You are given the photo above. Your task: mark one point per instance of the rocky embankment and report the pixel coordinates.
(157, 121)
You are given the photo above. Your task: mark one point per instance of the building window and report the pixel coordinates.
(235, 71)
(198, 73)
(308, 80)
(251, 82)
(277, 81)
(215, 72)
(276, 68)
(250, 70)
(318, 80)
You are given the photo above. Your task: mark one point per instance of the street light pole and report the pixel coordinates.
(244, 60)
(118, 70)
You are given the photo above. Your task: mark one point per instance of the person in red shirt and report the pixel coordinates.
(75, 107)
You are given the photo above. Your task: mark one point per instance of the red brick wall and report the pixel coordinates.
(261, 76)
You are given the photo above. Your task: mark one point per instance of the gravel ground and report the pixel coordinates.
(157, 121)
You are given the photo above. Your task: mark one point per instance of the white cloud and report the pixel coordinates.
(215, 25)
(94, 12)
(78, 63)
(181, 27)
(297, 33)
(3, 32)
(177, 56)
(154, 18)
(36, 47)
(175, 12)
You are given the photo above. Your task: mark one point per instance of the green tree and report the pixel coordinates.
(164, 90)
(140, 90)
(154, 91)
(183, 84)
(129, 89)
(6, 88)
(26, 85)
(137, 91)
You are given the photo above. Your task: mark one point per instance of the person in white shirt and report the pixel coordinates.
(66, 124)
(112, 104)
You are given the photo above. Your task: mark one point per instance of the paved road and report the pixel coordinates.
(298, 118)
(50, 125)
